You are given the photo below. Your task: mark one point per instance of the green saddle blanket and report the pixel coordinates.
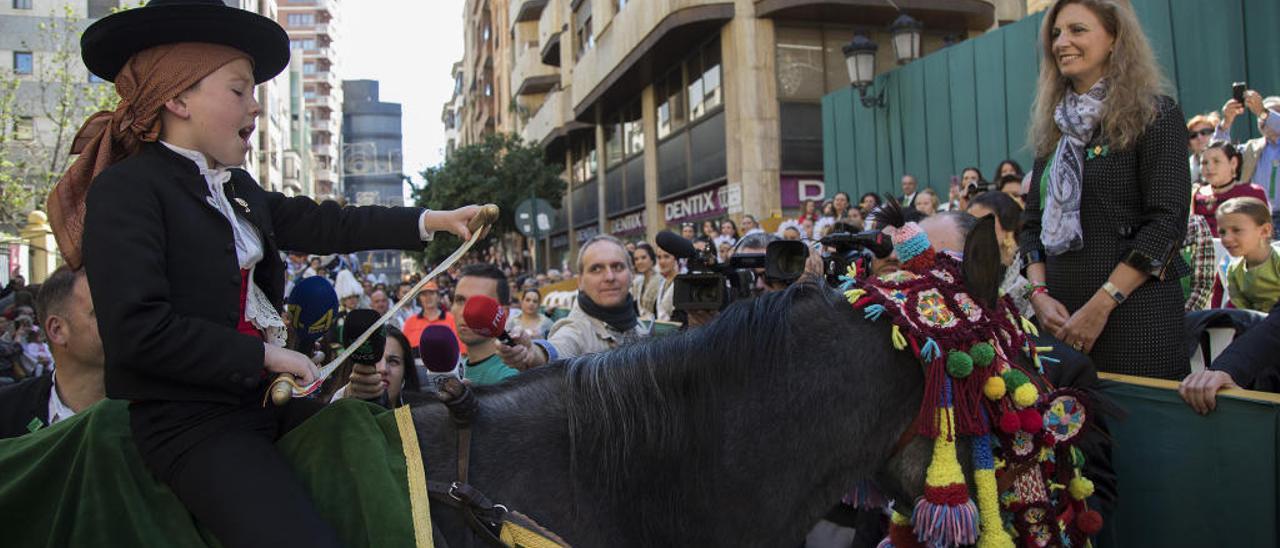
(82, 482)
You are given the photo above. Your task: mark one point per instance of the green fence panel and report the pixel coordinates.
(845, 138)
(1210, 47)
(938, 120)
(1188, 480)
(993, 134)
(1021, 69)
(833, 150)
(867, 158)
(897, 160)
(885, 146)
(1157, 23)
(914, 128)
(964, 106)
(1261, 48)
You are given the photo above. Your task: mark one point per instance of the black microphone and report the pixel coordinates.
(370, 352)
(675, 245)
(438, 348)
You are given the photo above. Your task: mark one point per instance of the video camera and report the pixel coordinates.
(712, 285)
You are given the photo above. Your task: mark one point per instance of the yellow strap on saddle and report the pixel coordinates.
(519, 536)
(419, 502)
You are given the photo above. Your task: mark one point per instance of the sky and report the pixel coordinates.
(409, 47)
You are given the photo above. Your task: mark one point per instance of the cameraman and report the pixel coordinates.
(757, 244)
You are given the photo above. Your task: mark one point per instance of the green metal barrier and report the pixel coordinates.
(1191, 480)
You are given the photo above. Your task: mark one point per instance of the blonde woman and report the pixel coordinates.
(1111, 156)
(927, 202)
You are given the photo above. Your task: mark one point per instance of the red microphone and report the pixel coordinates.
(484, 316)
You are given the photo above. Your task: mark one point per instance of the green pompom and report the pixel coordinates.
(959, 364)
(1014, 379)
(982, 353)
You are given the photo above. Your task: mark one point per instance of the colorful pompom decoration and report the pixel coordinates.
(1030, 420)
(1025, 395)
(945, 515)
(1080, 488)
(959, 364)
(1010, 423)
(1089, 522)
(982, 354)
(994, 388)
(1014, 379)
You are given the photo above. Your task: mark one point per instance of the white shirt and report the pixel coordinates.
(58, 411)
(248, 241)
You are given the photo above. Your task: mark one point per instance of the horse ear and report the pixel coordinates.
(982, 266)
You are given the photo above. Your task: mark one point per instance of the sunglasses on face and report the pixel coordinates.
(1202, 133)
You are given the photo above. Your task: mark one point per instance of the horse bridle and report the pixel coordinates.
(483, 516)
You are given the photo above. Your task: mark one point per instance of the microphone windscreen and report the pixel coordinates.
(484, 316)
(675, 245)
(358, 321)
(438, 347)
(311, 307)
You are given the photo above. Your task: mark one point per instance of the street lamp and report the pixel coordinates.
(906, 38)
(860, 58)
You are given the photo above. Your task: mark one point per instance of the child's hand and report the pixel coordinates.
(454, 220)
(281, 360)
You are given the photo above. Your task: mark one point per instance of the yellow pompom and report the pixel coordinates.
(898, 518)
(1080, 488)
(1025, 395)
(852, 271)
(994, 388)
(854, 294)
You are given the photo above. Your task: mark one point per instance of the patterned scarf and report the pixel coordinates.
(1078, 116)
(148, 80)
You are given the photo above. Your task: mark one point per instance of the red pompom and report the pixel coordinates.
(1030, 420)
(1009, 423)
(1089, 523)
(1047, 439)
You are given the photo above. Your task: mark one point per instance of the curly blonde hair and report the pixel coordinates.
(1134, 79)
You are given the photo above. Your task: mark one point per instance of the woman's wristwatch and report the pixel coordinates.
(1114, 292)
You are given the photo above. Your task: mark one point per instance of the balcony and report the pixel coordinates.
(330, 125)
(641, 41)
(529, 75)
(550, 29)
(553, 120)
(526, 10)
(958, 15)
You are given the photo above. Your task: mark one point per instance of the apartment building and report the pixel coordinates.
(314, 28)
(373, 160)
(673, 111)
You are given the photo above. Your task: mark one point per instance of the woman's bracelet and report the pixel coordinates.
(1036, 288)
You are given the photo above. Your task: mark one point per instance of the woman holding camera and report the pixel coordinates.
(1107, 207)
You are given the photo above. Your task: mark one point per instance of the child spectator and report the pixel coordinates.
(1253, 279)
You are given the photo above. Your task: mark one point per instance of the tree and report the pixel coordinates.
(502, 170)
(55, 100)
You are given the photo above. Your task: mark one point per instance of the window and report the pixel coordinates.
(800, 64)
(484, 34)
(613, 143)
(711, 97)
(302, 19)
(488, 89)
(21, 4)
(671, 115)
(584, 37)
(309, 93)
(23, 62)
(584, 159)
(633, 129)
(305, 43)
(24, 128)
(308, 68)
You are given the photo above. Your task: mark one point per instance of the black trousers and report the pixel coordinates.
(222, 463)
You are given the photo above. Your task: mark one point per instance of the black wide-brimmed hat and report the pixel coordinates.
(109, 43)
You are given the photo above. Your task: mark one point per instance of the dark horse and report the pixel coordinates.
(741, 433)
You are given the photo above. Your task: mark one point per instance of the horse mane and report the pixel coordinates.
(651, 408)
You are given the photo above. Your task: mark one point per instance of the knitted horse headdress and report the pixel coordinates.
(970, 342)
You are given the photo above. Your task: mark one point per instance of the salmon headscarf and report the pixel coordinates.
(148, 80)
